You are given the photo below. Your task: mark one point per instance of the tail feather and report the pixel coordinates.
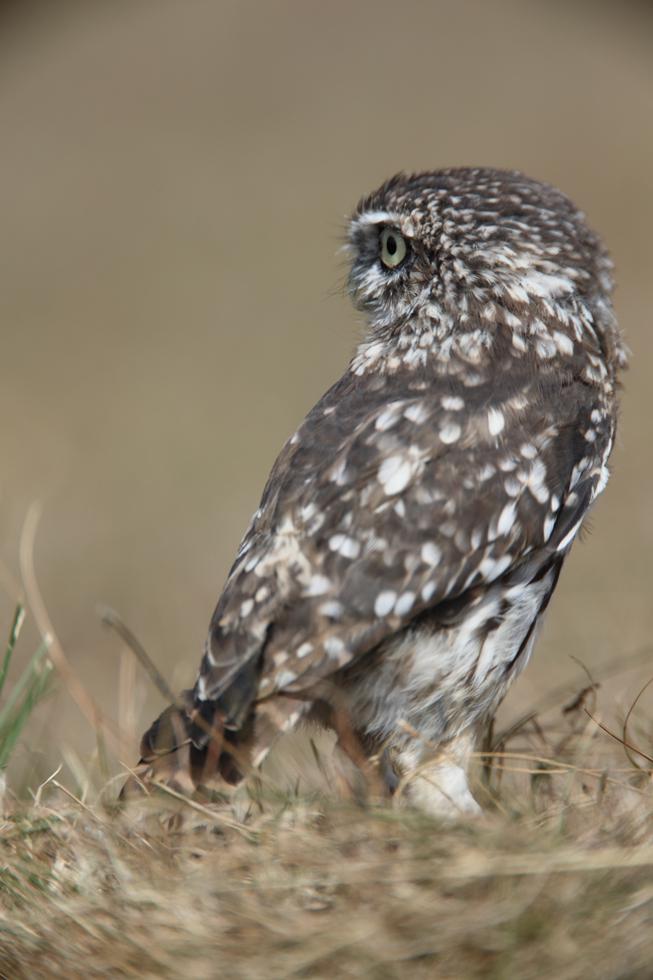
(169, 731)
(188, 747)
(171, 753)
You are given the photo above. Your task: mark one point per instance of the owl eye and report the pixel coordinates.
(393, 248)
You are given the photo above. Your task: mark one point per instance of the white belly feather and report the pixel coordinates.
(444, 680)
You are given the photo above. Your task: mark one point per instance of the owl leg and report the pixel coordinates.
(435, 779)
(361, 776)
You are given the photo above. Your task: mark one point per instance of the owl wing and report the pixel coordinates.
(380, 508)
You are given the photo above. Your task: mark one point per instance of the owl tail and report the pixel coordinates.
(188, 747)
(184, 750)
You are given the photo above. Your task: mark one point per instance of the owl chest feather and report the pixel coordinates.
(443, 678)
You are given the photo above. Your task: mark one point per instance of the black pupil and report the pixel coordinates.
(391, 244)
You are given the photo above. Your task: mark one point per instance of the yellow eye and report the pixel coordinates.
(393, 248)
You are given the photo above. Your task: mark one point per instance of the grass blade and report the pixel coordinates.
(28, 690)
(14, 633)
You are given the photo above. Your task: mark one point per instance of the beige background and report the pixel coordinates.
(175, 177)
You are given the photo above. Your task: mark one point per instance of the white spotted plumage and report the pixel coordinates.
(412, 530)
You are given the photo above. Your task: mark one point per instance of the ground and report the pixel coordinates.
(554, 880)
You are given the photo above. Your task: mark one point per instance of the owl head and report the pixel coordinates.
(464, 248)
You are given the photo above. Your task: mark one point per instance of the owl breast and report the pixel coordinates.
(449, 672)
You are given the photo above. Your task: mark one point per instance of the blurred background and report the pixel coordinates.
(175, 181)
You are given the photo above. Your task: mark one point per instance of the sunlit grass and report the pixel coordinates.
(27, 691)
(555, 880)
(285, 878)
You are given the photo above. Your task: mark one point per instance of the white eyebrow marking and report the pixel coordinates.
(374, 218)
(371, 218)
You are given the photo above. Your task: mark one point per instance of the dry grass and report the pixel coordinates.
(556, 879)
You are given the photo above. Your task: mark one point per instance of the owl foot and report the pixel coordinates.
(438, 784)
(440, 791)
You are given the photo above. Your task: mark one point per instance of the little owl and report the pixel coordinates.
(411, 533)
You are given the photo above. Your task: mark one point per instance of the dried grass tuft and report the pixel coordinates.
(555, 880)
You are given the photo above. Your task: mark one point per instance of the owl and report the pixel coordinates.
(410, 536)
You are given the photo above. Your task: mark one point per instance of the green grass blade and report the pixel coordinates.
(28, 688)
(22, 683)
(14, 633)
(36, 689)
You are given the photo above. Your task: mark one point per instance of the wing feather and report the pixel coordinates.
(381, 508)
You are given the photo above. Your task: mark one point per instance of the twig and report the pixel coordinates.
(110, 618)
(218, 818)
(621, 741)
(624, 731)
(76, 689)
(611, 667)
